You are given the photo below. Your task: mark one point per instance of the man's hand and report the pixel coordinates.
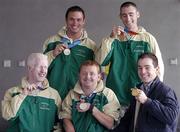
(116, 31)
(59, 49)
(29, 89)
(83, 107)
(141, 97)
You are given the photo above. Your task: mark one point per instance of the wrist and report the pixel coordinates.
(51, 54)
(91, 107)
(112, 35)
(54, 53)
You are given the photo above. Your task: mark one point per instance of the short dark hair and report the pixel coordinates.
(151, 56)
(73, 9)
(127, 4)
(90, 63)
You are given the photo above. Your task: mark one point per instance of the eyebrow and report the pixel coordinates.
(144, 65)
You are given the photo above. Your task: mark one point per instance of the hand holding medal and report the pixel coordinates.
(67, 51)
(116, 31)
(29, 89)
(83, 107)
(139, 95)
(59, 48)
(65, 46)
(135, 91)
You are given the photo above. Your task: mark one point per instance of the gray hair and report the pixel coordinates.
(33, 58)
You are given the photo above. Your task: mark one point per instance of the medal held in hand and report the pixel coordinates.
(135, 91)
(67, 51)
(83, 106)
(70, 45)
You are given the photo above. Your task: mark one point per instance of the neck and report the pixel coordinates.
(133, 29)
(148, 83)
(88, 91)
(74, 36)
(31, 81)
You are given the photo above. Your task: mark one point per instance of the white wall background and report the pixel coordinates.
(25, 24)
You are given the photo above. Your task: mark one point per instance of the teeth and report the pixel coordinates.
(42, 75)
(74, 27)
(87, 81)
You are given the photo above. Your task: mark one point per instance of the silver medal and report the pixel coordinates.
(67, 51)
(83, 106)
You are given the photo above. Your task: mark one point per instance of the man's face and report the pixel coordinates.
(89, 77)
(146, 70)
(129, 16)
(75, 22)
(39, 71)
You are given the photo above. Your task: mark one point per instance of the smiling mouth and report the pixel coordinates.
(42, 75)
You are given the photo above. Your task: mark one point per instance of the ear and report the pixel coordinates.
(84, 22)
(100, 77)
(138, 14)
(157, 70)
(29, 68)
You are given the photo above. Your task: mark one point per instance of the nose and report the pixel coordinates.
(88, 75)
(128, 17)
(143, 70)
(43, 69)
(75, 22)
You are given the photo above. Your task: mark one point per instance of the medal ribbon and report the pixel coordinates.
(129, 32)
(90, 98)
(129, 36)
(70, 45)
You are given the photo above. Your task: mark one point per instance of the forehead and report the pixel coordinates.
(128, 9)
(76, 14)
(145, 62)
(88, 68)
(43, 62)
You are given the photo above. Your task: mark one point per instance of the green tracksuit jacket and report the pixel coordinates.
(31, 113)
(122, 54)
(63, 70)
(105, 100)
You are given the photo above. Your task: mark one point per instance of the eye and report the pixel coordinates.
(45, 67)
(79, 20)
(124, 15)
(84, 74)
(91, 74)
(131, 14)
(148, 67)
(139, 68)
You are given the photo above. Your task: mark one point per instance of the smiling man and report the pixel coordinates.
(155, 108)
(90, 106)
(32, 106)
(67, 50)
(120, 52)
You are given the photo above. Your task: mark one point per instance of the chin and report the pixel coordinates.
(146, 81)
(87, 87)
(41, 79)
(74, 30)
